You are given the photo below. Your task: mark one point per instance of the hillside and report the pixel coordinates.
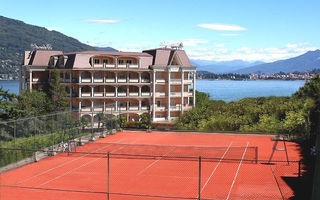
(304, 62)
(16, 37)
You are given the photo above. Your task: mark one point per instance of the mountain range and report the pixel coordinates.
(17, 36)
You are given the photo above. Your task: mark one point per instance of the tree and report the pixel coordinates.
(100, 117)
(144, 121)
(57, 94)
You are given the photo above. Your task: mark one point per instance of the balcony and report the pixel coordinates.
(110, 80)
(122, 108)
(98, 109)
(174, 118)
(145, 93)
(161, 108)
(98, 65)
(98, 94)
(159, 119)
(175, 94)
(133, 108)
(160, 81)
(122, 80)
(144, 108)
(145, 80)
(98, 80)
(133, 66)
(110, 65)
(86, 94)
(133, 80)
(175, 108)
(85, 109)
(187, 107)
(86, 80)
(175, 81)
(134, 94)
(122, 94)
(160, 94)
(187, 81)
(110, 94)
(187, 94)
(110, 109)
(122, 66)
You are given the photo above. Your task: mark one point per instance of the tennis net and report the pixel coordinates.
(181, 152)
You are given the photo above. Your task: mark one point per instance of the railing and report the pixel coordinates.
(86, 80)
(122, 66)
(110, 65)
(86, 94)
(159, 119)
(110, 80)
(175, 94)
(161, 108)
(145, 108)
(98, 65)
(98, 80)
(187, 94)
(175, 81)
(187, 81)
(122, 80)
(133, 80)
(145, 93)
(86, 109)
(98, 109)
(122, 94)
(135, 94)
(160, 81)
(134, 108)
(160, 94)
(133, 66)
(145, 80)
(98, 94)
(175, 108)
(110, 94)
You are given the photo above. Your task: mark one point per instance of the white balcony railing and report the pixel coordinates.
(122, 94)
(159, 119)
(86, 109)
(145, 80)
(187, 94)
(161, 108)
(122, 66)
(160, 94)
(144, 108)
(175, 81)
(98, 65)
(98, 80)
(187, 81)
(145, 93)
(86, 94)
(135, 108)
(135, 94)
(110, 80)
(86, 80)
(132, 80)
(98, 94)
(122, 108)
(160, 81)
(110, 65)
(110, 94)
(99, 109)
(175, 108)
(175, 94)
(35, 79)
(133, 66)
(122, 80)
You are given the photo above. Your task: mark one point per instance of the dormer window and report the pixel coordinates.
(121, 62)
(105, 61)
(61, 61)
(129, 62)
(97, 61)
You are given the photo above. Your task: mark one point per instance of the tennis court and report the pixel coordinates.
(140, 165)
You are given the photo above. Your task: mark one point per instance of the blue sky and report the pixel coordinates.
(218, 30)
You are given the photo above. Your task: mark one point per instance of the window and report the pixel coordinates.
(122, 76)
(121, 62)
(96, 61)
(158, 116)
(105, 61)
(129, 62)
(158, 103)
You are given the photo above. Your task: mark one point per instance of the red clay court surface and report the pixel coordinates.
(85, 177)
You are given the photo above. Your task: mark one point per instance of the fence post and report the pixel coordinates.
(256, 155)
(15, 138)
(199, 184)
(108, 174)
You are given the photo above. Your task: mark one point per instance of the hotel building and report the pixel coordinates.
(156, 82)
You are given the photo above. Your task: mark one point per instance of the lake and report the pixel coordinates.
(234, 90)
(223, 89)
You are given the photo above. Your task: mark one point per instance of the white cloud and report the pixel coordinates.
(230, 34)
(219, 45)
(53, 28)
(222, 27)
(250, 54)
(103, 21)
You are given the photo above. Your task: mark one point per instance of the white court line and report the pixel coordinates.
(61, 165)
(154, 162)
(216, 167)
(234, 180)
(72, 170)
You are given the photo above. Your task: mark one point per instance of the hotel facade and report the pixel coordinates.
(155, 82)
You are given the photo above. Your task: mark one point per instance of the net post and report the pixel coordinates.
(108, 174)
(256, 155)
(199, 184)
(299, 169)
